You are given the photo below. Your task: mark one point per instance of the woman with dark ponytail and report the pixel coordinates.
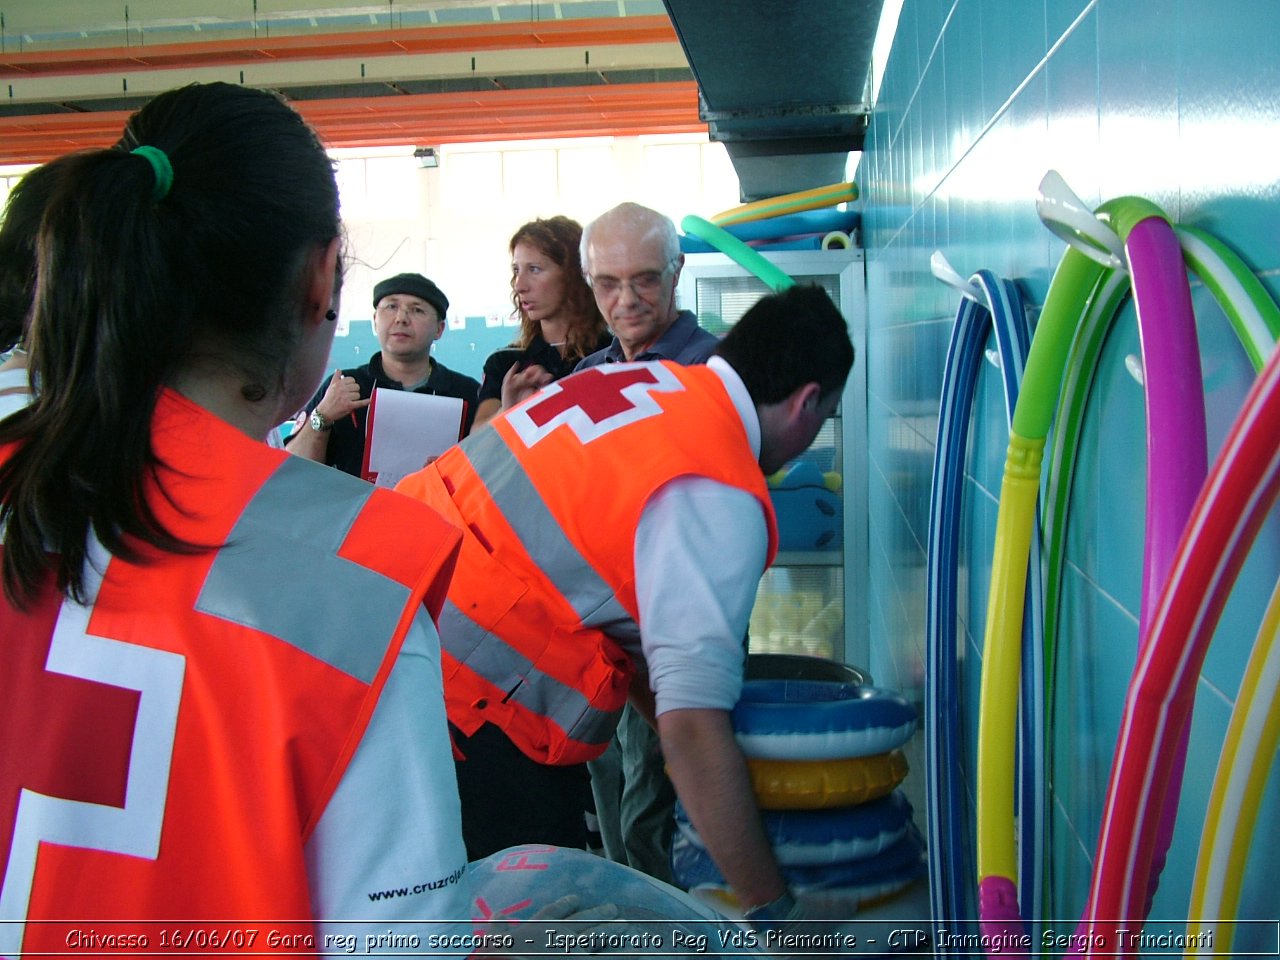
(221, 686)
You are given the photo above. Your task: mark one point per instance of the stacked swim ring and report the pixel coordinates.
(823, 749)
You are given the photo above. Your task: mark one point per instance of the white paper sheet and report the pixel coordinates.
(406, 431)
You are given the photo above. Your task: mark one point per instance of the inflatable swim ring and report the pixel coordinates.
(811, 838)
(821, 784)
(817, 720)
(799, 666)
(855, 881)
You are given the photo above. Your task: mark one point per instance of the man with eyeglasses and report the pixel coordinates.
(631, 257)
(615, 527)
(409, 317)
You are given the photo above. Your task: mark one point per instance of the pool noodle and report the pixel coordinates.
(747, 258)
(813, 241)
(1253, 316)
(950, 876)
(949, 872)
(1253, 734)
(1075, 277)
(1255, 319)
(1013, 340)
(1232, 505)
(1103, 305)
(993, 902)
(1174, 359)
(1177, 458)
(824, 196)
(819, 221)
(1254, 728)
(1249, 308)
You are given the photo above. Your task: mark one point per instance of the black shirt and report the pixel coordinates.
(538, 352)
(346, 440)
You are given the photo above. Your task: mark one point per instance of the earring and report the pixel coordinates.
(331, 316)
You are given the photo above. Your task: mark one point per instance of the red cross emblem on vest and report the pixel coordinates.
(595, 402)
(88, 730)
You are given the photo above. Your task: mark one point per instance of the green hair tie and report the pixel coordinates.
(162, 168)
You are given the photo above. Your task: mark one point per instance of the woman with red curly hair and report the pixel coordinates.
(559, 320)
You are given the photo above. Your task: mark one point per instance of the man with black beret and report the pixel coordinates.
(409, 317)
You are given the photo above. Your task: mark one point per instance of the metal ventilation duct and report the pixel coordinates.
(784, 84)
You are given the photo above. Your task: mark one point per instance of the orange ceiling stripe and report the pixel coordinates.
(606, 110)
(534, 99)
(469, 38)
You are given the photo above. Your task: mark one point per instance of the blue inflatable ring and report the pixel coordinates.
(858, 880)
(819, 720)
(812, 838)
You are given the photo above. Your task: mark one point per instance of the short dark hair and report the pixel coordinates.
(786, 340)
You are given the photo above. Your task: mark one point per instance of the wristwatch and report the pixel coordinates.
(320, 423)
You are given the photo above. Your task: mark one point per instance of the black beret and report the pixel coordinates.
(415, 285)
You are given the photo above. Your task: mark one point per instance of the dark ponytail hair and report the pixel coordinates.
(128, 284)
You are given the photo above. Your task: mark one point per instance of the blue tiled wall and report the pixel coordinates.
(463, 350)
(1174, 100)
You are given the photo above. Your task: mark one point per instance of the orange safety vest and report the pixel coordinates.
(550, 500)
(169, 747)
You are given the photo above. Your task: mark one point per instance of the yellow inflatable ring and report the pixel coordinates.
(820, 784)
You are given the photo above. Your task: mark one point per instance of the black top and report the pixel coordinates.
(539, 352)
(346, 440)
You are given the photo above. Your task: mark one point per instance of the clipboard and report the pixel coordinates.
(406, 431)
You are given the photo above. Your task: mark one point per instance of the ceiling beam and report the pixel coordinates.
(422, 119)
(469, 38)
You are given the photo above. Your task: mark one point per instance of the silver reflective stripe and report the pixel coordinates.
(509, 670)
(591, 598)
(279, 571)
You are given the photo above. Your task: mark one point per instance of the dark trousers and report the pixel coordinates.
(635, 802)
(509, 799)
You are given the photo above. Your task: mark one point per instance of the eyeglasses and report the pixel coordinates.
(642, 284)
(389, 308)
